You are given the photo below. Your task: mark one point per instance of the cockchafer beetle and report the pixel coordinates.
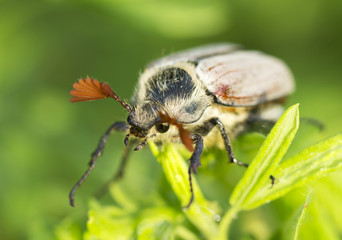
(202, 96)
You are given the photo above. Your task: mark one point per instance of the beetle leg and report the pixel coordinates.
(229, 149)
(227, 143)
(195, 162)
(314, 122)
(141, 145)
(118, 126)
(119, 173)
(257, 124)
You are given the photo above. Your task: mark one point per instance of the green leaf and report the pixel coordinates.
(157, 223)
(111, 222)
(299, 222)
(68, 230)
(108, 223)
(312, 163)
(184, 233)
(201, 213)
(267, 159)
(121, 198)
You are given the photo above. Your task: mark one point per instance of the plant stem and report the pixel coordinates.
(226, 221)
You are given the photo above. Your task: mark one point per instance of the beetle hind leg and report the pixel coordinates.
(313, 122)
(257, 124)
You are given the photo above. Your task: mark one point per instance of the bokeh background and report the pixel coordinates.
(45, 46)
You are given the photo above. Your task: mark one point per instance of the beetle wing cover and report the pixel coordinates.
(195, 54)
(245, 78)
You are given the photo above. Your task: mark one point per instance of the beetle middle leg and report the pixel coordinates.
(216, 122)
(229, 149)
(227, 143)
(118, 126)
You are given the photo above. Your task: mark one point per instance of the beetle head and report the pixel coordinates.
(144, 117)
(141, 118)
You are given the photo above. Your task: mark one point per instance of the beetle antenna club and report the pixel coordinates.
(91, 89)
(205, 95)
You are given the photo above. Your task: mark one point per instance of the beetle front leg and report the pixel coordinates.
(195, 162)
(227, 143)
(118, 126)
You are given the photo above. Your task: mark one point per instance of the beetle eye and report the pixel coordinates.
(162, 127)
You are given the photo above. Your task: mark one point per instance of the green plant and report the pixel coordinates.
(157, 220)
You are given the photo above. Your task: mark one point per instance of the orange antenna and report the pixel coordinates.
(90, 89)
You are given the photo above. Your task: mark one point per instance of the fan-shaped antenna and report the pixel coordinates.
(90, 89)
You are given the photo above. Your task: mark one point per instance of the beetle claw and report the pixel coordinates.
(126, 140)
(141, 145)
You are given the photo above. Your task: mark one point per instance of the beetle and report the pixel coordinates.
(204, 96)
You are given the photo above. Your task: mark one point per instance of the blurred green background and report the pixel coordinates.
(45, 46)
